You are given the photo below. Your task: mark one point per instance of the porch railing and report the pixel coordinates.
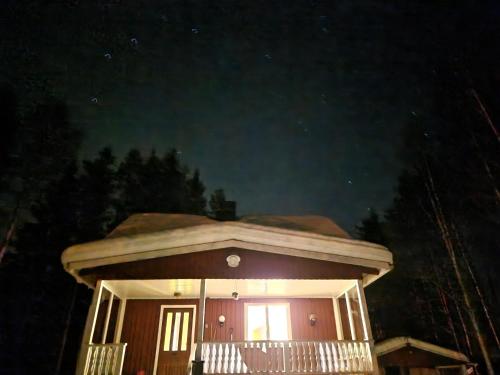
(104, 359)
(291, 357)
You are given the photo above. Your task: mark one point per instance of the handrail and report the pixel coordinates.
(104, 359)
(290, 357)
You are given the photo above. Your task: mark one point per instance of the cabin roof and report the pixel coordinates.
(154, 222)
(396, 343)
(145, 237)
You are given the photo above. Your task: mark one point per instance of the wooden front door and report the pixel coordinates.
(175, 340)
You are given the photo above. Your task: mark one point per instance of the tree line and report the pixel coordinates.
(51, 200)
(443, 228)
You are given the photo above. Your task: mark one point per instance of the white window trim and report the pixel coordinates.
(266, 304)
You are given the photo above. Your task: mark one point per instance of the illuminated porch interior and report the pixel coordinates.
(223, 288)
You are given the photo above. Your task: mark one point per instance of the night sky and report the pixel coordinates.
(293, 107)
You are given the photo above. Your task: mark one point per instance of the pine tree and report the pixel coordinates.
(97, 193)
(196, 200)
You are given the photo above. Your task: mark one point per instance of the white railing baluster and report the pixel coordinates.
(292, 357)
(340, 350)
(329, 357)
(213, 359)
(104, 359)
(238, 358)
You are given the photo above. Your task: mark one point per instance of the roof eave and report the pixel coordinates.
(223, 235)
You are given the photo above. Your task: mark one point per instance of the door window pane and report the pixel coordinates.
(168, 330)
(175, 336)
(185, 327)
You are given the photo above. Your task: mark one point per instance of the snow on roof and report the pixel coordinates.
(396, 343)
(155, 222)
(310, 223)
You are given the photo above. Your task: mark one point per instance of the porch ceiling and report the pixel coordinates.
(223, 288)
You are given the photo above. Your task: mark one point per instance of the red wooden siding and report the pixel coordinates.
(140, 332)
(140, 326)
(300, 308)
(213, 265)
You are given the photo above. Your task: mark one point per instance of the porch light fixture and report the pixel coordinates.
(312, 319)
(222, 320)
(233, 261)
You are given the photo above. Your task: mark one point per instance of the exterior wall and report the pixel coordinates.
(140, 325)
(300, 308)
(140, 332)
(411, 357)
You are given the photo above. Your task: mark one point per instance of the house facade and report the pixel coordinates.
(175, 294)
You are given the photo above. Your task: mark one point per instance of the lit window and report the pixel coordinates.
(267, 321)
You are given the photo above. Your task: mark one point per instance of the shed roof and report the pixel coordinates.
(396, 343)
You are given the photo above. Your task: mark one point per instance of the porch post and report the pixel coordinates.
(338, 319)
(108, 316)
(349, 314)
(119, 323)
(367, 329)
(198, 362)
(89, 329)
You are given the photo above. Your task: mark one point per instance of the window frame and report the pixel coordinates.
(267, 304)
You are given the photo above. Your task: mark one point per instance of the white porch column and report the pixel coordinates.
(338, 319)
(365, 319)
(197, 368)
(349, 314)
(119, 323)
(108, 316)
(89, 328)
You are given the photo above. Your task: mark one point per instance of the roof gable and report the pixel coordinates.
(183, 234)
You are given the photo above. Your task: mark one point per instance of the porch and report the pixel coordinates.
(327, 327)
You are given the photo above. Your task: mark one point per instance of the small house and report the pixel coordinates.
(177, 294)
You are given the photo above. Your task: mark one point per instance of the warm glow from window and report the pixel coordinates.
(168, 329)
(256, 322)
(177, 326)
(267, 322)
(185, 327)
(278, 322)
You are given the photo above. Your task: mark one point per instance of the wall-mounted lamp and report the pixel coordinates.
(313, 319)
(222, 320)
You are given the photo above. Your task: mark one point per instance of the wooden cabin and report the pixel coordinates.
(409, 356)
(176, 293)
